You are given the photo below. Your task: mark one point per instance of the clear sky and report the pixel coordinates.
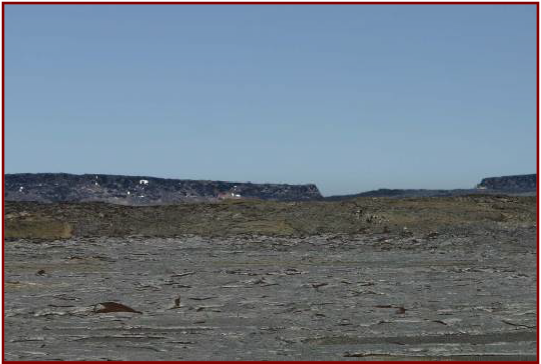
(350, 97)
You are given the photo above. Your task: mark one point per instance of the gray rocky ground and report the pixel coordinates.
(324, 297)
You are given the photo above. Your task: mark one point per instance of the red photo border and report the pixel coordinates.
(265, 3)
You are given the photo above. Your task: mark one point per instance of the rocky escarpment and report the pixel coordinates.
(524, 182)
(136, 190)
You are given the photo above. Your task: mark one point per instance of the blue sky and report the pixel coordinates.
(351, 98)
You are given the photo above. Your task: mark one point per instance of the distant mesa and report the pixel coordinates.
(524, 182)
(140, 190)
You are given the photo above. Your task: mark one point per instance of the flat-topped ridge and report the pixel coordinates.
(143, 190)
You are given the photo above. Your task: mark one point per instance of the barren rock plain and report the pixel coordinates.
(368, 279)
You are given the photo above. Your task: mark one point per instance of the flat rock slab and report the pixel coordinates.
(325, 297)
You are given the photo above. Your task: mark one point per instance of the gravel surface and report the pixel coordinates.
(249, 297)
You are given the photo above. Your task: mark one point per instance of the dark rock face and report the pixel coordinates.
(136, 190)
(525, 182)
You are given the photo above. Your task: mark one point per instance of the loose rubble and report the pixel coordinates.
(255, 297)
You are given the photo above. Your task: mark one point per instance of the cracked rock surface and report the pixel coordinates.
(253, 297)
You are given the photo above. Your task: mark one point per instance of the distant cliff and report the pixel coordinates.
(137, 190)
(524, 182)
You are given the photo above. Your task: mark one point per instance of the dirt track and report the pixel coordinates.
(332, 297)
